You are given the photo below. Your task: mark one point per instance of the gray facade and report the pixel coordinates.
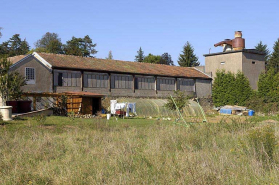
(42, 75)
(250, 62)
(58, 80)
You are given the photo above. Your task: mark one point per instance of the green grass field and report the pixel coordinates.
(139, 151)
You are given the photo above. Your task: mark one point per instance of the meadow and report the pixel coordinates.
(60, 150)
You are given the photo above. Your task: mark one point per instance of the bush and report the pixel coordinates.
(268, 86)
(180, 99)
(259, 104)
(230, 89)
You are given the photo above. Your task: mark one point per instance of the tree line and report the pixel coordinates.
(187, 58)
(49, 43)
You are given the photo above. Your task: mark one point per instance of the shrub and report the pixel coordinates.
(230, 89)
(180, 99)
(268, 86)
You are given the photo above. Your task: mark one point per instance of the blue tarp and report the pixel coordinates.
(225, 111)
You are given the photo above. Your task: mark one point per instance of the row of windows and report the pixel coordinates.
(95, 80)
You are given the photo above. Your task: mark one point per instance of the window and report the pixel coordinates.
(67, 78)
(166, 84)
(60, 79)
(253, 62)
(222, 63)
(186, 84)
(147, 83)
(30, 75)
(121, 81)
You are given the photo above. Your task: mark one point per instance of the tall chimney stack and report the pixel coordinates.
(238, 43)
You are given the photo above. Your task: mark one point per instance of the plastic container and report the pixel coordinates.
(251, 113)
(108, 116)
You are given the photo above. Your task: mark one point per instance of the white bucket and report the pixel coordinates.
(108, 116)
(6, 112)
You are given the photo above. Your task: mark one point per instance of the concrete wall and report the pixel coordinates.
(203, 88)
(253, 65)
(43, 76)
(232, 62)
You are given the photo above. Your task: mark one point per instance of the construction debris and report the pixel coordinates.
(235, 110)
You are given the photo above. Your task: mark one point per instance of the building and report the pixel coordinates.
(57, 73)
(236, 58)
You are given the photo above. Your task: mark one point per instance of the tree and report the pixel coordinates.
(14, 46)
(49, 43)
(166, 59)
(80, 47)
(242, 89)
(222, 88)
(268, 86)
(110, 57)
(273, 61)
(10, 82)
(139, 56)
(180, 99)
(231, 89)
(263, 48)
(154, 59)
(188, 58)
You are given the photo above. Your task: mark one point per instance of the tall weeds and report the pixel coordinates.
(134, 151)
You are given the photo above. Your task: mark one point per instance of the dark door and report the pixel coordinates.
(95, 105)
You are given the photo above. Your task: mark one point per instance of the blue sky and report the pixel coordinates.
(157, 26)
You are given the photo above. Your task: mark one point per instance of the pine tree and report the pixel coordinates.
(273, 61)
(243, 90)
(263, 48)
(188, 58)
(110, 57)
(140, 56)
(14, 46)
(80, 47)
(166, 59)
